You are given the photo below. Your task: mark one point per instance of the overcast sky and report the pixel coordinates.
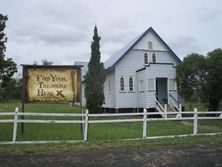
(61, 30)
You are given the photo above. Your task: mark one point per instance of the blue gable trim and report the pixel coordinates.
(174, 54)
(148, 30)
(141, 69)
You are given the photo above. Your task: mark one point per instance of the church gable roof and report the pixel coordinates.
(113, 60)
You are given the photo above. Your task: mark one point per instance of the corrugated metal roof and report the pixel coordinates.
(114, 58)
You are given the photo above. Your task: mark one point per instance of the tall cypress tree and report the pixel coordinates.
(95, 77)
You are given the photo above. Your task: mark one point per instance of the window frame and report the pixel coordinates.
(131, 84)
(122, 84)
(146, 58)
(154, 57)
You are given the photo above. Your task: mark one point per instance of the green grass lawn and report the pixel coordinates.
(97, 132)
(35, 131)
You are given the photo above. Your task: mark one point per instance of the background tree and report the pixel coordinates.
(191, 75)
(35, 63)
(9, 90)
(12, 90)
(7, 65)
(95, 77)
(45, 62)
(214, 79)
(201, 77)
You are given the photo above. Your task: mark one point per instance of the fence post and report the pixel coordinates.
(15, 125)
(195, 122)
(82, 124)
(180, 108)
(165, 108)
(144, 123)
(86, 126)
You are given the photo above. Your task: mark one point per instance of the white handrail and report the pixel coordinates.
(159, 105)
(174, 105)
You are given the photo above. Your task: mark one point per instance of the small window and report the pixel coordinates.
(154, 57)
(150, 44)
(151, 84)
(145, 58)
(121, 83)
(130, 84)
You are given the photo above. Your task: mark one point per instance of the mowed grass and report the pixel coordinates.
(36, 131)
(97, 132)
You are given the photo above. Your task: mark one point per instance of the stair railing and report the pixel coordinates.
(160, 106)
(175, 103)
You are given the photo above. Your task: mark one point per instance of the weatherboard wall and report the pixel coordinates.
(142, 94)
(150, 36)
(134, 60)
(131, 61)
(161, 71)
(109, 90)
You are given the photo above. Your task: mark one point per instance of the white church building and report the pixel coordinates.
(141, 75)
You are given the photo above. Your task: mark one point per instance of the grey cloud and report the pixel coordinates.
(62, 30)
(68, 12)
(118, 36)
(184, 45)
(207, 14)
(71, 58)
(109, 48)
(48, 34)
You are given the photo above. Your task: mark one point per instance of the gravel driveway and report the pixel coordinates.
(183, 156)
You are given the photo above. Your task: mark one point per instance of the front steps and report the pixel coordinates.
(168, 108)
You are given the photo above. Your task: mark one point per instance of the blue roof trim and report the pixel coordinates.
(174, 54)
(150, 29)
(141, 69)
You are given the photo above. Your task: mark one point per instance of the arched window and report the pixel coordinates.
(145, 58)
(121, 83)
(154, 57)
(130, 84)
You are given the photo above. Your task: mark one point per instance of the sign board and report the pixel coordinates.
(51, 83)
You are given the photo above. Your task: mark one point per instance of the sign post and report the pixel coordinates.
(51, 84)
(23, 99)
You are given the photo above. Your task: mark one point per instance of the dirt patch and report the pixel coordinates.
(183, 156)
